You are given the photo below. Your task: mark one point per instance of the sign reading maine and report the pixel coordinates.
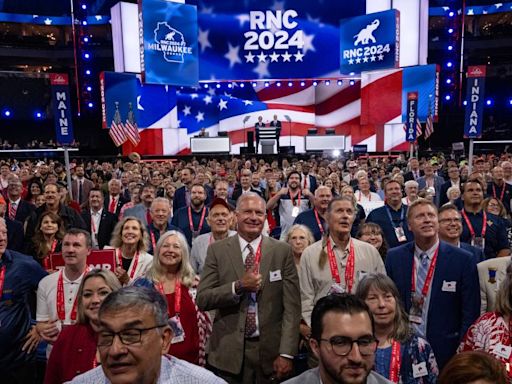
(170, 42)
(370, 42)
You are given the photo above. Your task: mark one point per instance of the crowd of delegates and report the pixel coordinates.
(262, 270)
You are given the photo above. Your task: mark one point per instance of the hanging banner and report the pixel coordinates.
(168, 37)
(412, 116)
(61, 108)
(370, 42)
(475, 102)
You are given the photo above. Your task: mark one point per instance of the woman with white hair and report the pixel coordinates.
(411, 192)
(453, 193)
(172, 275)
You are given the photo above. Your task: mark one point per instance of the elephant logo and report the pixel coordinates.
(366, 34)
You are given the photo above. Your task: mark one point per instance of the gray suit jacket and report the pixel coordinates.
(138, 211)
(278, 303)
(488, 286)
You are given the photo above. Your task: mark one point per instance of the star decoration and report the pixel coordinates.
(207, 99)
(203, 39)
(274, 57)
(358, 61)
(470, 12)
(373, 58)
(243, 18)
(298, 56)
(194, 96)
(249, 58)
(262, 70)
(200, 116)
(381, 57)
(186, 110)
(98, 17)
(350, 61)
(262, 57)
(232, 55)
(223, 104)
(247, 102)
(211, 92)
(308, 43)
(286, 56)
(139, 106)
(365, 59)
(498, 5)
(48, 21)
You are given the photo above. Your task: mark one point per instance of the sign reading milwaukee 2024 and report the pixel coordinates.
(168, 37)
(370, 42)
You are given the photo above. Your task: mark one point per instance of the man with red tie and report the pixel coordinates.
(114, 201)
(142, 211)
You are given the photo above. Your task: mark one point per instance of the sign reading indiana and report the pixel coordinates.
(168, 38)
(370, 42)
(475, 102)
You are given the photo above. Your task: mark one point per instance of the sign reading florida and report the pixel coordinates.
(370, 42)
(168, 33)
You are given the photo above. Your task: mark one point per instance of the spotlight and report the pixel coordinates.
(450, 30)
(218, 85)
(230, 85)
(242, 85)
(302, 83)
(254, 85)
(450, 47)
(449, 64)
(488, 102)
(451, 14)
(205, 85)
(340, 82)
(447, 97)
(315, 83)
(7, 113)
(84, 22)
(87, 56)
(448, 81)
(352, 82)
(510, 101)
(290, 84)
(465, 102)
(267, 83)
(88, 72)
(38, 115)
(336, 153)
(84, 7)
(90, 105)
(89, 88)
(327, 82)
(278, 83)
(86, 39)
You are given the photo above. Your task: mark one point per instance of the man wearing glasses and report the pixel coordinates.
(342, 339)
(134, 334)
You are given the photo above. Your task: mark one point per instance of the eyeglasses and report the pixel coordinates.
(128, 336)
(342, 345)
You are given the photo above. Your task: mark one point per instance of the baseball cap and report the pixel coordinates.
(219, 201)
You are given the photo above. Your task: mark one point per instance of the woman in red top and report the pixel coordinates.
(74, 352)
(172, 275)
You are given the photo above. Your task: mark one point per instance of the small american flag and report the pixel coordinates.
(132, 132)
(117, 133)
(419, 131)
(429, 126)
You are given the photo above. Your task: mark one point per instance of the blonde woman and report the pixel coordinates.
(130, 241)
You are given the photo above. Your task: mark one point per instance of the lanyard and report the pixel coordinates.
(320, 226)
(402, 215)
(349, 270)
(191, 223)
(46, 260)
(93, 225)
(133, 265)
(61, 310)
(293, 201)
(394, 365)
(177, 294)
(2, 280)
(430, 274)
(361, 194)
(153, 240)
(502, 191)
(470, 227)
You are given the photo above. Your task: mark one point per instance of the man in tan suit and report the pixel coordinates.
(491, 274)
(251, 281)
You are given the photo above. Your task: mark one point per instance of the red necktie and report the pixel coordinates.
(250, 321)
(112, 206)
(148, 217)
(12, 211)
(305, 182)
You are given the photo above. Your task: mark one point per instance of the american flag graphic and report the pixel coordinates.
(132, 132)
(117, 133)
(429, 126)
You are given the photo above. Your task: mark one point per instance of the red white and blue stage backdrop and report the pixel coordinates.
(368, 112)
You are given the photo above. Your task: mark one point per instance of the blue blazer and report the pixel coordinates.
(450, 313)
(477, 254)
(180, 200)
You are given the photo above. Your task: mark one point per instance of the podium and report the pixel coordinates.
(267, 146)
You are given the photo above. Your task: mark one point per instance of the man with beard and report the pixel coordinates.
(338, 262)
(191, 220)
(81, 186)
(438, 283)
(219, 219)
(56, 293)
(392, 216)
(337, 323)
(314, 218)
(291, 201)
(481, 229)
(142, 211)
(498, 189)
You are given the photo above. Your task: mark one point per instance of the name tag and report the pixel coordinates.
(449, 286)
(419, 370)
(503, 351)
(275, 276)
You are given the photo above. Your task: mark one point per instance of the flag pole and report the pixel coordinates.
(470, 164)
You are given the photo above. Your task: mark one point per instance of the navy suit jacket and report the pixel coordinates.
(438, 183)
(450, 313)
(23, 210)
(108, 222)
(477, 253)
(15, 235)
